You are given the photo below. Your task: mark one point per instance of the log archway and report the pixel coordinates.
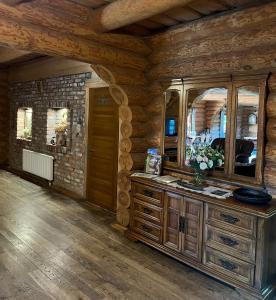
(129, 158)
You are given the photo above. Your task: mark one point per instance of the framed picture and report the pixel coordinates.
(153, 164)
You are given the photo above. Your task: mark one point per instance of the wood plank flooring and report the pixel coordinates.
(52, 247)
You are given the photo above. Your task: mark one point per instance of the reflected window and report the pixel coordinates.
(172, 101)
(171, 129)
(223, 120)
(246, 130)
(206, 119)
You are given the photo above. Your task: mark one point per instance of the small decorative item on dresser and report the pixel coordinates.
(251, 196)
(201, 159)
(153, 162)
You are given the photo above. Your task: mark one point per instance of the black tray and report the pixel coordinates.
(252, 196)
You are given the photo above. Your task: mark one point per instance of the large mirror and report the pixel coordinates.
(206, 121)
(172, 102)
(246, 145)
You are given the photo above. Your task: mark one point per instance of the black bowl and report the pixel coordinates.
(252, 196)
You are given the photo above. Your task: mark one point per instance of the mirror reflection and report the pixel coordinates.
(246, 130)
(206, 120)
(172, 99)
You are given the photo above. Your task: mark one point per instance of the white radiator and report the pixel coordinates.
(38, 164)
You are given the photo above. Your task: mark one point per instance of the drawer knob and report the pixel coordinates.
(146, 228)
(147, 211)
(229, 219)
(229, 242)
(148, 193)
(227, 265)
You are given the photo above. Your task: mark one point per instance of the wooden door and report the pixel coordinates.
(172, 213)
(192, 229)
(102, 159)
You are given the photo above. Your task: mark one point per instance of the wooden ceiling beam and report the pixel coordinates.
(40, 40)
(8, 54)
(52, 15)
(125, 12)
(11, 2)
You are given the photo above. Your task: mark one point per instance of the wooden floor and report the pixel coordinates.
(52, 247)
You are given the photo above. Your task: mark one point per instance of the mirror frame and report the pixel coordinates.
(261, 120)
(231, 83)
(199, 85)
(179, 87)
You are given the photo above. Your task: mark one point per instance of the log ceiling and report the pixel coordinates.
(126, 16)
(10, 57)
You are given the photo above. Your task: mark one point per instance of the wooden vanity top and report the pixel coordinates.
(263, 211)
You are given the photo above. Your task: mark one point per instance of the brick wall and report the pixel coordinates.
(63, 92)
(4, 118)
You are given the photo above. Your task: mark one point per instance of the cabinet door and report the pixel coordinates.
(192, 232)
(172, 213)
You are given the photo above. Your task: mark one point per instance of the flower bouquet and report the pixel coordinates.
(203, 158)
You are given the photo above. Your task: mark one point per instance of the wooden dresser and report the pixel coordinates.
(226, 239)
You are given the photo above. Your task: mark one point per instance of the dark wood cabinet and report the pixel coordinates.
(173, 208)
(222, 238)
(183, 225)
(192, 229)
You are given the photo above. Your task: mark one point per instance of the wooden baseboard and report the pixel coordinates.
(29, 177)
(67, 193)
(45, 183)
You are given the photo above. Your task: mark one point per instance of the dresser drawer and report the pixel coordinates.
(230, 266)
(231, 220)
(148, 194)
(147, 229)
(147, 211)
(229, 243)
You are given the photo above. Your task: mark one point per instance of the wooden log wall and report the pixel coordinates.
(239, 42)
(270, 153)
(242, 42)
(4, 117)
(132, 98)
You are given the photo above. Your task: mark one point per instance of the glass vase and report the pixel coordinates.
(198, 178)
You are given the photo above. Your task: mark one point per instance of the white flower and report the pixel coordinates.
(203, 166)
(210, 164)
(199, 158)
(220, 162)
(205, 158)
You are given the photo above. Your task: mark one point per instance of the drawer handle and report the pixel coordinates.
(229, 242)
(229, 219)
(228, 265)
(146, 228)
(147, 211)
(148, 193)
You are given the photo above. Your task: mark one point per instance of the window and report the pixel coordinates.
(57, 127)
(24, 123)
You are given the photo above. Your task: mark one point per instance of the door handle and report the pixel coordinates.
(182, 222)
